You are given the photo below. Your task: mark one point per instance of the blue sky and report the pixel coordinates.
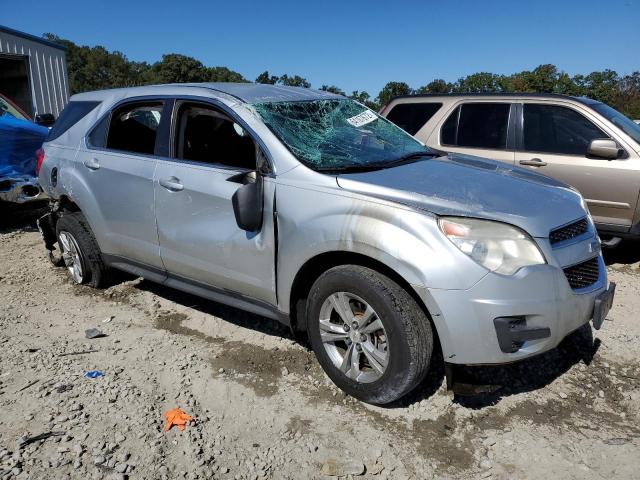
(355, 44)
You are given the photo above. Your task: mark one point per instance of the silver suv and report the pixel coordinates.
(309, 208)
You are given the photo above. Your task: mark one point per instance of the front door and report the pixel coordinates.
(554, 142)
(199, 238)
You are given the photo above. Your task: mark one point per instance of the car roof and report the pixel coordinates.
(244, 92)
(584, 100)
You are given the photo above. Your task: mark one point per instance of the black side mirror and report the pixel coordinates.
(45, 119)
(248, 202)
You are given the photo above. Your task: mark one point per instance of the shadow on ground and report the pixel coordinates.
(626, 253)
(23, 217)
(475, 386)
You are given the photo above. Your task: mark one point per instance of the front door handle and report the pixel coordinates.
(534, 162)
(92, 164)
(172, 184)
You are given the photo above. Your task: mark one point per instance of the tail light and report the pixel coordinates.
(39, 160)
(382, 110)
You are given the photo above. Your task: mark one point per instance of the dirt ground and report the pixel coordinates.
(262, 407)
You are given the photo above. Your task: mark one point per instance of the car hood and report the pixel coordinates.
(462, 185)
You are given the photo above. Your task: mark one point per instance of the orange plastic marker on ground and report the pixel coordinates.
(176, 417)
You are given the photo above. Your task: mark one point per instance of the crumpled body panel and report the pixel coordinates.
(19, 140)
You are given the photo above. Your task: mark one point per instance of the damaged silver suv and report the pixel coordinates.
(309, 208)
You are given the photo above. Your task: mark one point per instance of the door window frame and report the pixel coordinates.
(161, 146)
(520, 131)
(267, 169)
(510, 144)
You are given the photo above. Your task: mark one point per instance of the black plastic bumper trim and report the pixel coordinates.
(513, 332)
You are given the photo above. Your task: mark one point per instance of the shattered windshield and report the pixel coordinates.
(338, 134)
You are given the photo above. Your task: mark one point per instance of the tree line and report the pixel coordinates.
(95, 68)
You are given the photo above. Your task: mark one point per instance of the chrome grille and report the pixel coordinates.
(583, 274)
(568, 231)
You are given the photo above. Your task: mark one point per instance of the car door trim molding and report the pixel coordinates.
(216, 294)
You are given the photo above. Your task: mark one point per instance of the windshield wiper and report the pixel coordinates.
(370, 167)
(410, 158)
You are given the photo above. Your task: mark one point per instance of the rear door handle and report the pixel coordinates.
(172, 183)
(92, 164)
(534, 162)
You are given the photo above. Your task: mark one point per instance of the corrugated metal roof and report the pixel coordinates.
(33, 38)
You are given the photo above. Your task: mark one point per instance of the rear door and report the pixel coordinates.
(554, 141)
(118, 167)
(199, 238)
(483, 129)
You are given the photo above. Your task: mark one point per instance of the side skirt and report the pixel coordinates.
(226, 297)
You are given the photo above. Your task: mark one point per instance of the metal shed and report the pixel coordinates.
(33, 72)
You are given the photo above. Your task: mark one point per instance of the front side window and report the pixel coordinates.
(133, 128)
(559, 130)
(624, 123)
(207, 135)
(411, 117)
(337, 134)
(477, 125)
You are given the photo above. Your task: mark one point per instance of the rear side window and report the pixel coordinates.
(477, 125)
(72, 114)
(560, 130)
(411, 117)
(133, 128)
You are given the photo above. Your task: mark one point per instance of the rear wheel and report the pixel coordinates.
(80, 251)
(370, 336)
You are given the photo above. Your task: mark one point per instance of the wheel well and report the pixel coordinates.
(66, 204)
(310, 271)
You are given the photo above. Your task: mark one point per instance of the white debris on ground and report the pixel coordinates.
(261, 406)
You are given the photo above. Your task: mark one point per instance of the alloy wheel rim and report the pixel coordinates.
(354, 337)
(71, 256)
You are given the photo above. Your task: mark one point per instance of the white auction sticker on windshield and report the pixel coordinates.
(362, 118)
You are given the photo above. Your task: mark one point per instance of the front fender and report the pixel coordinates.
(312, 222)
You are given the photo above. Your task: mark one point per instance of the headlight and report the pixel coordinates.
(496, 246)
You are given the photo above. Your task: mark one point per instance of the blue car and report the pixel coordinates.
(20, 141)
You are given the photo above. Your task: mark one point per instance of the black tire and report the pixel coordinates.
(408, 332)
(95, 273)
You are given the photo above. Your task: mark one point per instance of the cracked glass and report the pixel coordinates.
(337, 134)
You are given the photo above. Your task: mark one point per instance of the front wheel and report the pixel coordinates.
(369, 335)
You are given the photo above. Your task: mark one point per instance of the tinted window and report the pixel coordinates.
(209, 136)
(411, 117)
(98, 136)
(477, 125)
(554, 129)
(72, 114)
(133, 128)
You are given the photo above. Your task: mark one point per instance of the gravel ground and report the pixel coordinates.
(262, 407)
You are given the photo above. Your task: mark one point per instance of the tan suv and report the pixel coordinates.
(579, 141)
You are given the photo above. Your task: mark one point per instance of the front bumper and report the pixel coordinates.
(537, 299)
(21, 190)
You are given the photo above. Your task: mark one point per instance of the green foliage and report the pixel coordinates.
(392, 89)
(96, 68)
(294, 81)
(264, 77)
(333, 89)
